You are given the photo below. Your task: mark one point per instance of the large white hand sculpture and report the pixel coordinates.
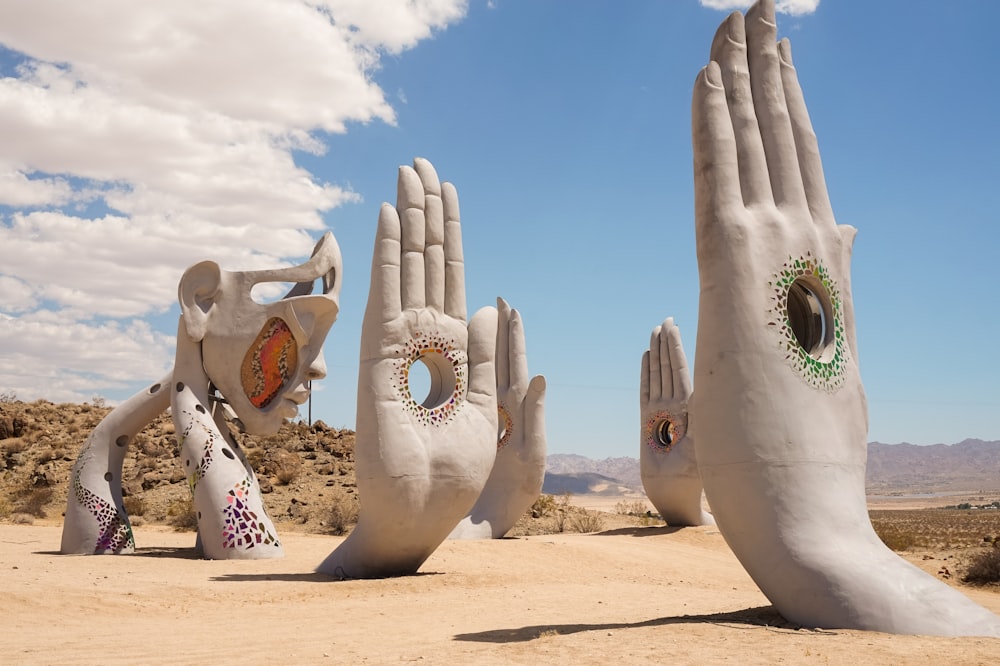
(779, 414)
(666, 450)
(519, 470)
(420, 465)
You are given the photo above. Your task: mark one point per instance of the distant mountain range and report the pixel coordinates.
(972, 464)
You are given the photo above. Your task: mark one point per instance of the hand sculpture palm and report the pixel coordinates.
(666, 450)
(519, 470)
(780, 417)
(420, 465)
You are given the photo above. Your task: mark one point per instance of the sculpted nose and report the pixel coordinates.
(317, 369)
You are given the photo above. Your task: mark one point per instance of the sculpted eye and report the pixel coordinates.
(270, 363)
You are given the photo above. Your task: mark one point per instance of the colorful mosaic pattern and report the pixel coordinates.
(115, 530)
(676, 427)
(270, 363)
(827, 375)
(206, 455)
(412, 352)
(243, 529)
(507, 423)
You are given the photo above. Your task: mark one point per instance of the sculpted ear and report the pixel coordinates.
(197, 293)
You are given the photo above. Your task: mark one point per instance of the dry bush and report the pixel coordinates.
(343, 512)
(287, 474)
(544, 506)
(631, 508)
(8, 396)
(5, 509)
(182, 516)
(894, 537)
(586, 522)
(15, 445)
(983, 568)
(255, 457)
(33, 502)
(134, 505)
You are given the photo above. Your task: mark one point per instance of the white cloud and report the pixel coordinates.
(791, 7)
(141, 137)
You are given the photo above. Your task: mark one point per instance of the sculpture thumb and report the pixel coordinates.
(482, 359)
(534, 408)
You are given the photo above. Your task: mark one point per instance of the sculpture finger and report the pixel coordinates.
(716, 167)
(534, 414)
(666, 373)
(678, 365)
(482, 372)
(503, 345)
(655, 366)
(770, 105)
(517, 355)
(454, 285)
(384, 299)
(729, 50)
(644, 381)
(434, 260)
(847, 235)
(410, 205)
(806, 145)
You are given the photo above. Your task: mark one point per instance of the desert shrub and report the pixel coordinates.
(8, 396)
(33, 501)
(343, 512)
(15, 445)
(545, 505)
(586, 522)
(22, 519)
(631, 508)
(286, 474)
(893, 537)
(5, 509)
(983, 568)
(255, 457)
(181, 515)
(134, 505)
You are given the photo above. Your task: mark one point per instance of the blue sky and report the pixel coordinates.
(136, 141)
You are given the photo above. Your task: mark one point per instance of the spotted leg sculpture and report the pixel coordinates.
(233, 353)
(519, 470)
(96, 522)
(420, 465)
(666, 451)
(779, 414)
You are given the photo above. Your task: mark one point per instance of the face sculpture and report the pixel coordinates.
(261, 357)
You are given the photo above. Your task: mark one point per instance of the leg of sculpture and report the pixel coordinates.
(96, 522)
(779, 416)
(260, 357)
(519, 470)
(420, 465)
(666, 450)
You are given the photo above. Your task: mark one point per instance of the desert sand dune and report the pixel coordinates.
(627, 595)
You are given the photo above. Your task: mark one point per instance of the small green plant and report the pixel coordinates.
(983, 568)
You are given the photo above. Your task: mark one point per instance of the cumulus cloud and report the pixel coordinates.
(791, 7)
(136, 134)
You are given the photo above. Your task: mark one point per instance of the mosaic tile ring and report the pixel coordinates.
(822, 367)
(664, 429)
(447, 364)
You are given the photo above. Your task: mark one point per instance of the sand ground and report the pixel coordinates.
(624, 596)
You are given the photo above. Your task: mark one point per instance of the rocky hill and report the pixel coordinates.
(307, 472)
